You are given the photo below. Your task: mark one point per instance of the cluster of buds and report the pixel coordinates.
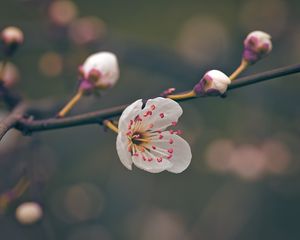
(256, 46)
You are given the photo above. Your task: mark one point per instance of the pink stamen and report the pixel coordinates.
(129, 133)
(159, 159)
(144, 158)
(174, 123)
(171, 131)
(150, 159)
(170, 150)
(170, 156)
(148, 113)
(150, 125)
(130, 124)
(160, 136)
(162, 115)
(153, 147)
(171, 141)
(152, 107)
(136, 154)
(138, 118)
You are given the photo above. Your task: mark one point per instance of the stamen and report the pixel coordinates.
(152, 107)
(148, 113)
(171, 150)
(162, 115)
(174, 123)
(171, 141)
(138, 118)
(159, 159)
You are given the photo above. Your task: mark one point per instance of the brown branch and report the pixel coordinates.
(28, 126)
(11, 120)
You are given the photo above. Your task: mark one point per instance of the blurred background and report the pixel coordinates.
(243, 179)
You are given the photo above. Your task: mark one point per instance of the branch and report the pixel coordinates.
(11, 120)
(28, 126)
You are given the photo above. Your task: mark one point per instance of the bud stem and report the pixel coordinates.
(2, 70)
(111, 126)
(70, 104)
(244, 64)
(182, 96)
(21, 187)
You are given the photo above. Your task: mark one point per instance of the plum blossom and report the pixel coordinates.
(214, 82)
(144, 140)
(256, 46)
(99, 71)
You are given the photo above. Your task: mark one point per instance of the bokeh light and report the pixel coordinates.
(203, 40)
(51, 64)
(62, 12)
(87, 30)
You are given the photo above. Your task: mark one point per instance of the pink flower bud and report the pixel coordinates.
(99, 71)
(257, 45)
(213, 83)
(12, 37)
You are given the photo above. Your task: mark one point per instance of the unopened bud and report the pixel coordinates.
(29, 213)
(257, 45)
(12, 37)
(100, 70)
(213, 83)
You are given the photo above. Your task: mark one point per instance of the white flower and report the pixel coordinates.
(256, 46)
(144, 141)
(214, 82)
(100, 70)
(29, 213)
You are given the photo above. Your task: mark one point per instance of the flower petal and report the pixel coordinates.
(152, 166)
(181, 151)
(122, 149)
(129, 114)
(164, 112)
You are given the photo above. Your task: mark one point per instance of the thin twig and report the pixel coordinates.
(97, 117)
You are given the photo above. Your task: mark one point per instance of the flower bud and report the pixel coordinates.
(99, 71)
(256, 46)
(213, 83)
(29, 213)
(12, 37)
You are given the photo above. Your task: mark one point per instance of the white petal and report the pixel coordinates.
(151, 166)
(129, 114)
(181, 151)
(166, 111)
(122, 149)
